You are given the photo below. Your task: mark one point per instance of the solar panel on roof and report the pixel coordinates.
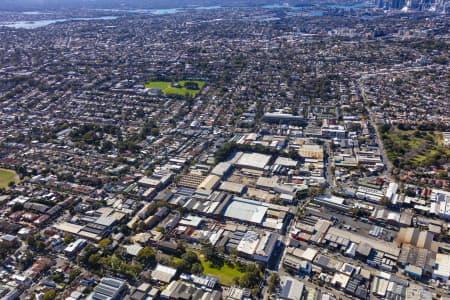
(112, 282)
(104, 290)
(99, 297)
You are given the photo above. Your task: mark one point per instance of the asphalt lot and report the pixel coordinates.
(356, 226)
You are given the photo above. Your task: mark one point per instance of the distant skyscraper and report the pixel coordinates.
(397, 4)
(413, 4)
(379, 3)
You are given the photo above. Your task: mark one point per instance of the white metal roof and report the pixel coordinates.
(246, 210)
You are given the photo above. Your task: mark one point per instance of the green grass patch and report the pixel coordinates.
(169, 88)
(410, 149)
(420, 159)
(225, 274)
(6, 176)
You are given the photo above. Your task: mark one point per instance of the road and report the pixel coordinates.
(329, 175)
(372, 122)
(398, 68)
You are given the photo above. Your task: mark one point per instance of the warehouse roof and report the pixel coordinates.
(254, 160)
(233, 187)
(442, 266)
(415, 237)
(69, 227)
(209, 183)
(163, 273)
(105, 221)
(221, 169)
(286, 162)
(309, 254)
(109, 288)
(379, 245)
(291, 288)
(248, 243)
(147, 181)
(133, 249)
(246, 210)
(267, 244)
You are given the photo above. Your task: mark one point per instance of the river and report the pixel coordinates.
(312, 10)
(42, 23)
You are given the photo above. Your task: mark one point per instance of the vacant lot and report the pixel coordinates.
(178, 88)
(6, 176)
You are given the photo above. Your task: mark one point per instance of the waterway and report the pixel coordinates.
(42, 23)
(311, 10)
(317, 10)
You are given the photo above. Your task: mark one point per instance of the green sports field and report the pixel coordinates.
(6, 176)
(167, 88)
